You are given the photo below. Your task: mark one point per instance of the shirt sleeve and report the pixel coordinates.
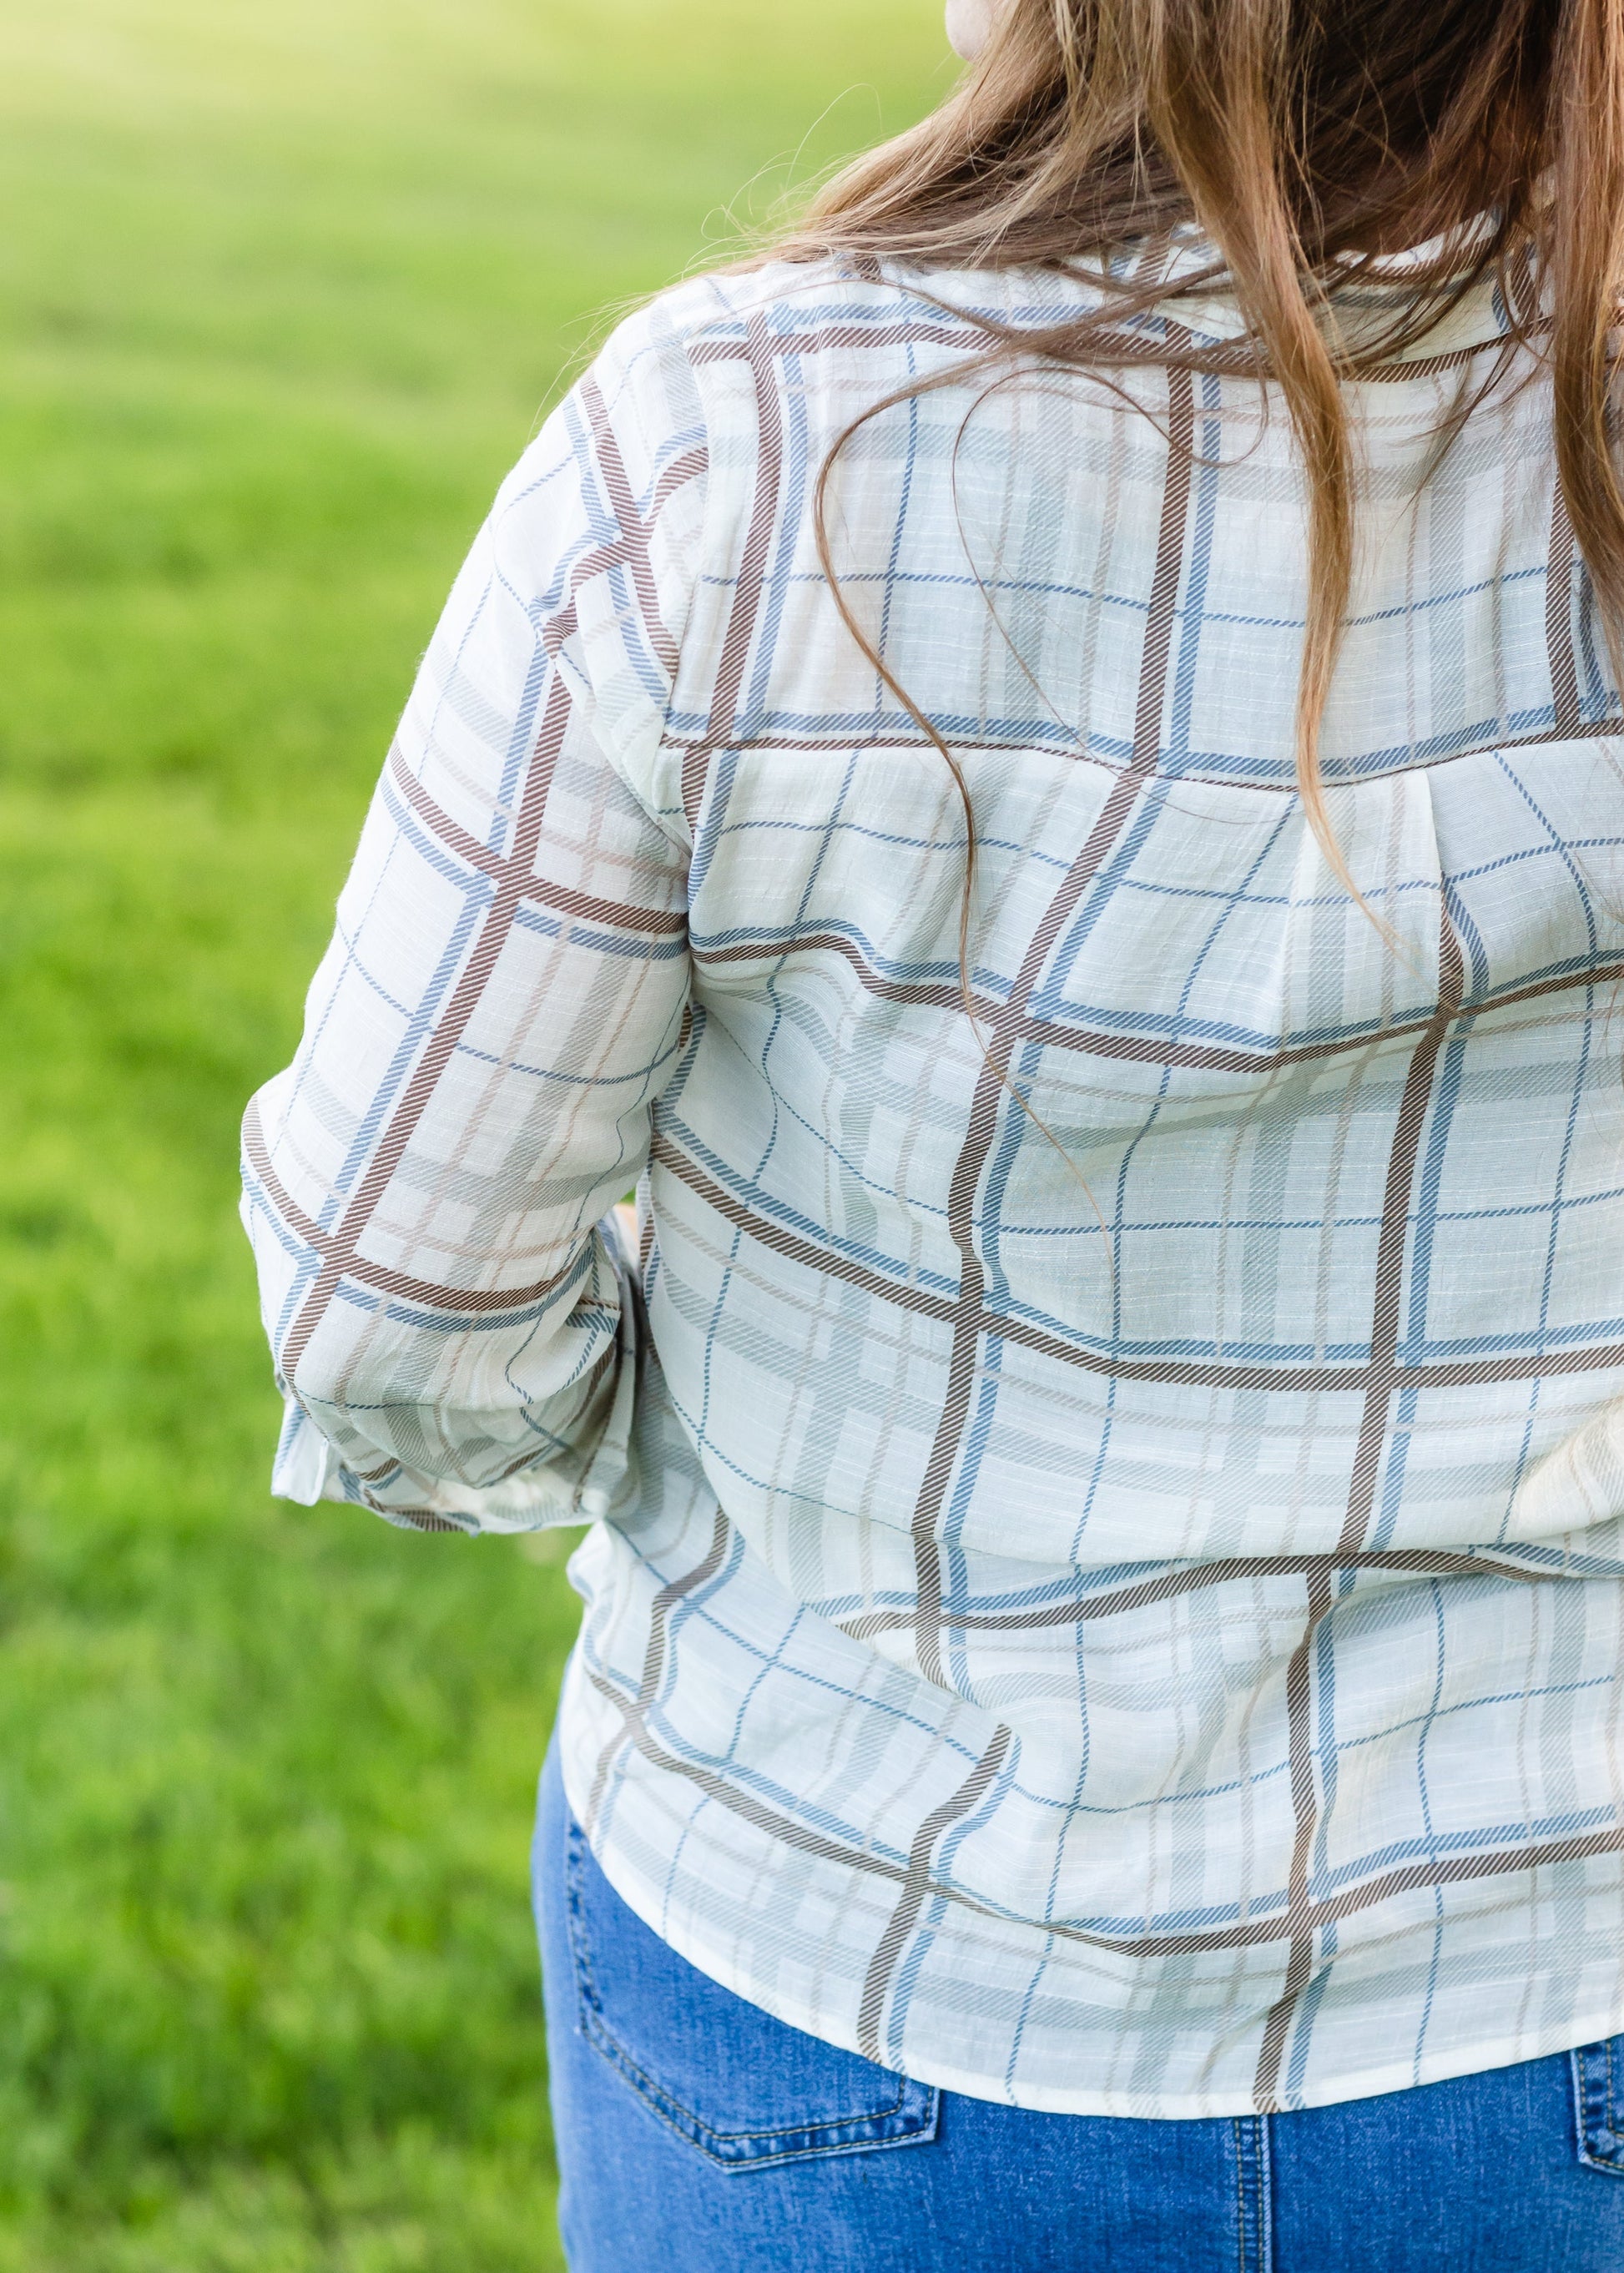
(453, 1324)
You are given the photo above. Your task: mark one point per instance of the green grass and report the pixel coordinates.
(284, 289)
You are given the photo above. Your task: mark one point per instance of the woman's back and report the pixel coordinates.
(1077, 1459)
(1200, 1091)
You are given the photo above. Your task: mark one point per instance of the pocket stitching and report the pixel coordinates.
(660, 2100)
(1596, 2090)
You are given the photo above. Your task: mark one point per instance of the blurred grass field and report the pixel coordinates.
(284, 289)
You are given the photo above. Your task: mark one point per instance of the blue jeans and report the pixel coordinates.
(696, 2134)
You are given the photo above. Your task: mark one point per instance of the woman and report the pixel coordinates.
(1043, 768)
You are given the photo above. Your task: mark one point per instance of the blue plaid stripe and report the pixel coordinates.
(1114, 1605)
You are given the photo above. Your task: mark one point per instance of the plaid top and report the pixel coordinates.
(1114, 1607)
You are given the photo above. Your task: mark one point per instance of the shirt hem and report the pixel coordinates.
(1494, 2051)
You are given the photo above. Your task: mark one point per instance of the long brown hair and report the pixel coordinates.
(1302, 142)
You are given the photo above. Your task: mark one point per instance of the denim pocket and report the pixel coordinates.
(745, 2090)
(1598, 2097)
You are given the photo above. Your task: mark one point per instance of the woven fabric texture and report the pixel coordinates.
(1105, 1579)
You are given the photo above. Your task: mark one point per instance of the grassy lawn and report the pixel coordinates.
(284, 289)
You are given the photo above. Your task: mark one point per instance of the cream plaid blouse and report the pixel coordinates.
(1120, 1614)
